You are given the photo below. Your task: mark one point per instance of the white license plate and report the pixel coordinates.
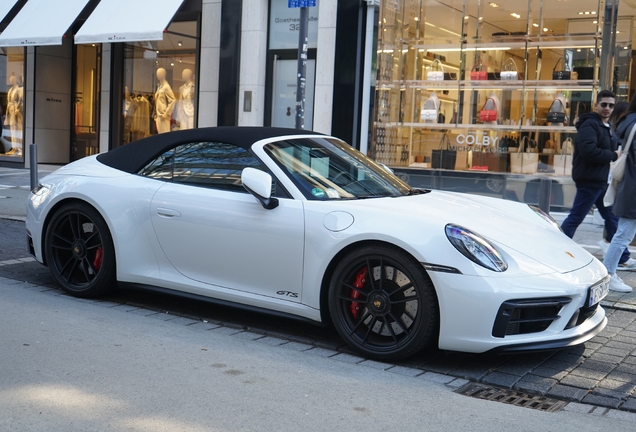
(597, 292)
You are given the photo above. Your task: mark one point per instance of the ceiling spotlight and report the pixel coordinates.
(172, 64)
(580, 13)
(516, 15)
(587, 13)
(545, 29)
(535, 25)
(181, 43)
(491, 4)
(594, 22)
(466, 17)
(593, 12)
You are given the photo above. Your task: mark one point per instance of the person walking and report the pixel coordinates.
(595, 147)
(624, 204)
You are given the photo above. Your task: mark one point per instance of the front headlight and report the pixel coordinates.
(549, 219)
(475, 248)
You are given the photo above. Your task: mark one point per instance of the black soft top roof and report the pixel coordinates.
(134, 156)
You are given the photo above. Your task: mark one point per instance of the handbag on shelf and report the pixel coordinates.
(563, 161)
(476, 73)
(435, 74)
(556, 114)
(576, 112)
(523, 162)
(444, 157)
(488, 112)
(617, 170)
(566, 73)
(428, 114)
(453, 119)
(509, 71)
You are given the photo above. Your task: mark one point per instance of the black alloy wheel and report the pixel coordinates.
(383, 304)
(79, 251)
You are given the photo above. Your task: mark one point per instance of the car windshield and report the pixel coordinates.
(328, 169)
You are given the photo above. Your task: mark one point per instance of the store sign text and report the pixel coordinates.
(472, 140)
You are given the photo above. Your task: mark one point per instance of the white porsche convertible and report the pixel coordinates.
(301, 224)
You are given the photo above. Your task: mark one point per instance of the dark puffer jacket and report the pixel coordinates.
(625, 202)
(594, 148)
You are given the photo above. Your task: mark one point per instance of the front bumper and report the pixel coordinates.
(471, 310)
(552, 344)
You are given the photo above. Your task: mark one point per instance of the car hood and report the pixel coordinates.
(507, 224)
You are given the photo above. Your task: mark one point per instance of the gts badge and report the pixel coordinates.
(287, 294)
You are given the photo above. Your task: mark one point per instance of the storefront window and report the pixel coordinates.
(160, 86)
(12, 103)
(86, 105)
(485, 100)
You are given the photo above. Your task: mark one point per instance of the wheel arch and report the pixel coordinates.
(54, 209)
(326, 278)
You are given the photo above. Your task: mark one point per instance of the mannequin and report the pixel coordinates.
(164, 102)
(14, 117)
(186, 100)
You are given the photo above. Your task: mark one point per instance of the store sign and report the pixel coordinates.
(284, 23)
(301, 3)
(472, 140)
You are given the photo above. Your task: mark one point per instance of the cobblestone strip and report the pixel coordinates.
(598, 378)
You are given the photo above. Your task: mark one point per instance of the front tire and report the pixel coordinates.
(79, 251)
(383, 304)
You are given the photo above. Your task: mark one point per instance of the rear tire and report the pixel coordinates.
(79, 251)
(383, 304)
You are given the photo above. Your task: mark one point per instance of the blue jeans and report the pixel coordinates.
(624, 235)
(584, 199)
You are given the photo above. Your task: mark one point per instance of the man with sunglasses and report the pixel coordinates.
(595, 147)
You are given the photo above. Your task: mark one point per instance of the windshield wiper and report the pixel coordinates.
(415, 191)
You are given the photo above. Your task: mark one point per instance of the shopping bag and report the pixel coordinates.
(563, 161)
(444, 157)
(523, 162)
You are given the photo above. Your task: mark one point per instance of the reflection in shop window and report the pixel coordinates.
(12, 67)
(160, 84)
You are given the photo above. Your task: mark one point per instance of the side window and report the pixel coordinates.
(207, 164)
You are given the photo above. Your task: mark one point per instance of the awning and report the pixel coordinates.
(42, 22)
(127, 21)
(5, 7)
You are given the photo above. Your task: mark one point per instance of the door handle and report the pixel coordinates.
(167, 213)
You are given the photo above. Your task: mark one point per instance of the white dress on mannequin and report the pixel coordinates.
(164, 103)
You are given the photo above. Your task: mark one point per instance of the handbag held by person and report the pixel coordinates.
(617, 171)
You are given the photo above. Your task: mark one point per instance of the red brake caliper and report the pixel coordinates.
(361, 279)
(99, 256)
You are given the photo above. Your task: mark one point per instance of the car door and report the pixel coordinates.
(213, 231)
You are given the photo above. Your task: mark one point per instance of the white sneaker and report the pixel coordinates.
(617, 284)
(630, 264)
(603, 245)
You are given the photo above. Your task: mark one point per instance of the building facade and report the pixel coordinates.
(463, 95)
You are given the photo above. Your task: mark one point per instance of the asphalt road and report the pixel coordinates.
(601, 372)
(70, 364)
